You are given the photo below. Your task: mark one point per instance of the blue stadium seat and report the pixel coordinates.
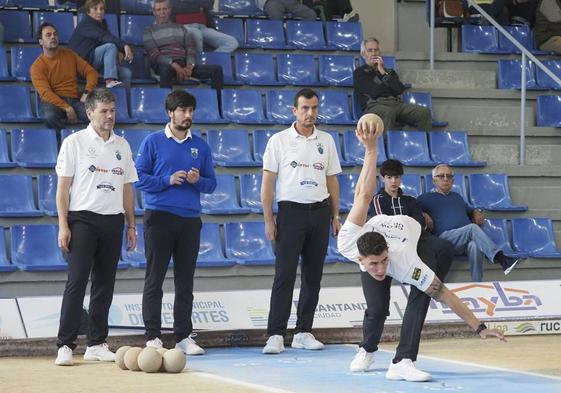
(265, 33)
(65, 132)
(16, 105)
(21, 58)
(409, 147)
(111, 20)
(347, 185)
(543, 80)
(4, 73)
(233, 27)
(239, 8)
(279, 106)
(30, 4)
(34, 147)
(224, 199)
(389, 62)
(521, 33)
(411, 184)
(247, 245)
(336, 70)
(250, 193)
(357, 110)
(260, 139)
(18, 202)
(210, 250)
(134, 137)
(46, 190)
(333, 254)
(140, 67)
(122, 107)
(63, 21)
(136, 6)
(147, 104)
(35, 248)
(548, 111)
(138, 209)
(132, 28)
(354, 151)
(480, 39)
(207, 111)
(5, 161)
(508, 74)
(535, 237)
(459, 185)
(497, 230)
(222, 59)
(491, 191)
(452, 148)
(423, 99)
(344, 35)
(135, 257)
(337, 139)
(256, 69)
(230, 148)
(306, 34)
(334, 108)
(243, 106)
(17, 26)
(5, 265)
(297, 69)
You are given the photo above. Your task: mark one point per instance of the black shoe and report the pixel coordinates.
(509, 264)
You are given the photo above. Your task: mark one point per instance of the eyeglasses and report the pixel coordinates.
(445, 176)
(372, 50)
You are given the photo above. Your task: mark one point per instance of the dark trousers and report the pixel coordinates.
(437, 255)
(200, 71)
(55, 118)
(305, 233)
(331, 7)
(167, 235)
(95, 246)
(411, 114)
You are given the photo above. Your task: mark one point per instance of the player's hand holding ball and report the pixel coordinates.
(368, 129)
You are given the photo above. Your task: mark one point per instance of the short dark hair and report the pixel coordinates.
(101, 95)
(306, 93)
(371, 243)
(89, 4)
(391, 168)
(180, 99)
(41, 27)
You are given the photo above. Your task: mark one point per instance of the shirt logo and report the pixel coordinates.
(320, 148)
(91, 152)
(308, 183)
(294, 164)
(105, 187)
(92, 168)
(118, 155)
(117, 171)
(319, 166)
(416, 274)
(194, 152)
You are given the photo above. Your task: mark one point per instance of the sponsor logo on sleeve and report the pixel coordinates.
(416, 274)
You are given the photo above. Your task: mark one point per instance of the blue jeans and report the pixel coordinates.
(55, 118)
(105, 58)
(470, 240)
(204, 35)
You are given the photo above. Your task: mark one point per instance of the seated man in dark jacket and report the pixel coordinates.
(95, 44)
(548, 26)
(379, 91)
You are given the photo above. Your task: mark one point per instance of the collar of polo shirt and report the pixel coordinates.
(295, 133)
(94, 135)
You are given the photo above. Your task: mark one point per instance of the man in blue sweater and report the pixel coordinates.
(450, 217)
(174, 167)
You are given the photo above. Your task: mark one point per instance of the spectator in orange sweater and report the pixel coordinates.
(53, 75)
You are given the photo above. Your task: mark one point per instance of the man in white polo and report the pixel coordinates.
(305, 163)
(95, 170)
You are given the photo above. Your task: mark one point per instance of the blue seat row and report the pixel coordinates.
(508, 75)
(548, 111)
(486, 39)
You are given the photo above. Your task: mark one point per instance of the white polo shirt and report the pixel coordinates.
(402, 234)
(301, 164)
(99, 169)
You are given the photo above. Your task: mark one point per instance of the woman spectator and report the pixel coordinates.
(95, 44)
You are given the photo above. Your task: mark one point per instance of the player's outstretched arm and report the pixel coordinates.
(368, 129)
(438, 291)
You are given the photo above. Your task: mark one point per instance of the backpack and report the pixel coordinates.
(449, 8)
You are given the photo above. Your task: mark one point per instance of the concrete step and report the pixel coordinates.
(449, 79)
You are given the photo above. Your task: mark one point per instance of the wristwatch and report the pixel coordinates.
(480, 328)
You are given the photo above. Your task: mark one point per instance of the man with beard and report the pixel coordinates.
(305, 161)
(174, 167)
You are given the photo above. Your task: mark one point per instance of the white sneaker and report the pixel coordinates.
(406, 370)
(100, 353)
(351, 17)
(155, 343)
(362, 361)
(113, 83)
(189, 346)
(306, 341)
(275, 345)
(64, 357)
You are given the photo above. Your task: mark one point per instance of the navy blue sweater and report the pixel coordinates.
(158, 158)
(447, 211)
(88, 35)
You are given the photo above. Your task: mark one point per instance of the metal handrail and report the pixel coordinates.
(525, 53)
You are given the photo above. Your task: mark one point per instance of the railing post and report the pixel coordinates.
(523, 111)
(431, 44)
